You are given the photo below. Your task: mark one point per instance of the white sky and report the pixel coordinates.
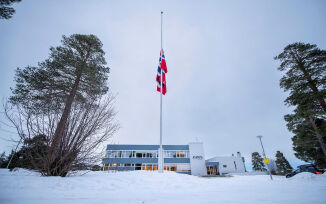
(223, 84)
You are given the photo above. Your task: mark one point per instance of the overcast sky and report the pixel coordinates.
(222, 84)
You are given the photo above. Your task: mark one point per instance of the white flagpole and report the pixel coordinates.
(161, 159)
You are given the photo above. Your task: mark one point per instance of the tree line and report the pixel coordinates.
(36, 148)
(282, 164)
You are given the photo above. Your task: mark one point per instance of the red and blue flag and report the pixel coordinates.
(162, 68)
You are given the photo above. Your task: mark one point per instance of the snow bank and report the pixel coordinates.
(308, 176)
(18, 172)
(251, 173)
(152, 187)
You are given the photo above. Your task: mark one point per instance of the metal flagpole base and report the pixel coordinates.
(160, 161)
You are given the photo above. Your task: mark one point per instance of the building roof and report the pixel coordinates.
(145, 147)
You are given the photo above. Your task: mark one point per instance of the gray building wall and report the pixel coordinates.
(143, 160)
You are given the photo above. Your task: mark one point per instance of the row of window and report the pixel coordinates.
(150, 167)
(146, 154)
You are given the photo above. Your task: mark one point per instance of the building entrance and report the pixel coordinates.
(212, 170)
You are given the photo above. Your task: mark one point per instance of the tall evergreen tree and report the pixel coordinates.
(282, 164)
(6, 11)
(305, 79)
(75, 72)
(257, 162)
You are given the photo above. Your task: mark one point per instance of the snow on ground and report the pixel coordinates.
(151, 187)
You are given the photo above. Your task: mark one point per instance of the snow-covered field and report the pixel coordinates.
(151, 187)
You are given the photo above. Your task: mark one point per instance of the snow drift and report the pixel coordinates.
(141, 187)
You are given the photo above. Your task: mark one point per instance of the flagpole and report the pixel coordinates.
(161, 158)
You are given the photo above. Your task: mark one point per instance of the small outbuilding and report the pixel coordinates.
(229, 164)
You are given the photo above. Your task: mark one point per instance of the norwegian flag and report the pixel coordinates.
(161, 65)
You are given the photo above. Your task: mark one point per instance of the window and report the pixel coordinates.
(114, 164)
(176, 154)
(155, 167)
(181, 154)
(180, 167)
(183, 167)
(170, 154)
(149, 155)
(131, 154)
(170, 167)
(311, 169)
(155, 154)
(126, 154)
(137, 166)
(149, 167)
(113, 154)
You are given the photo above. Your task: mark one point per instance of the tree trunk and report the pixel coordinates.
(61, 125)
(318, 136)
(313, 87)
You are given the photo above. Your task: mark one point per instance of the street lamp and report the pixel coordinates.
(264, 155)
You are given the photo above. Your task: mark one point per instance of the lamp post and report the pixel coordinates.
(264, 155)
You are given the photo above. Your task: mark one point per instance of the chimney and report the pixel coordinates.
(238, 154)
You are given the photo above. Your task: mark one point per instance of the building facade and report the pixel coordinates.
(145, 157)
(189, 159)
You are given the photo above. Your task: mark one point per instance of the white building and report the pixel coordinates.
(188, 159)
(230, 164)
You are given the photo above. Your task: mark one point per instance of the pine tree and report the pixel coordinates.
(15, 161)
(282, 164)
(305, 79)
(32, 152)
(7, 12)
(2, 159)
(257, 162)
(75, 73)
(305, 144)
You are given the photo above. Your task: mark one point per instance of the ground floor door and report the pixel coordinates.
(212, 170)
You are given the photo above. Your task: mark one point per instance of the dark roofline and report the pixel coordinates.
(145, 147)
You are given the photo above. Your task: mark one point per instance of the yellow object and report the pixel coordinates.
(266, 161)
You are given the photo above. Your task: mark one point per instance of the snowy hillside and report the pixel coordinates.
(151, 187)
